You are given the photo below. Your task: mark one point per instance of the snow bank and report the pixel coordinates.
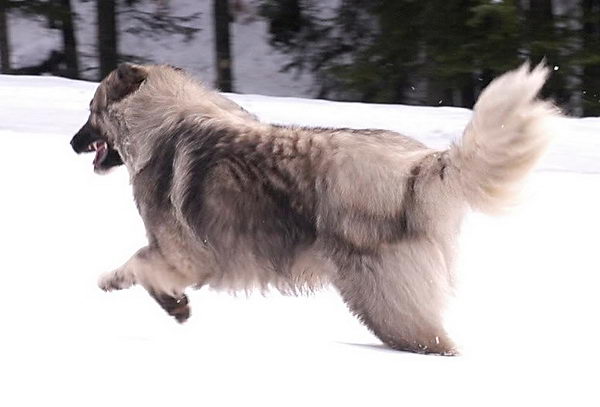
(525, 313)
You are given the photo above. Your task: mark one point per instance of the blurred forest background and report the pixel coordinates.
(433, 52)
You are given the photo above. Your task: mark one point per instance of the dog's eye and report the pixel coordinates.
(94, 121)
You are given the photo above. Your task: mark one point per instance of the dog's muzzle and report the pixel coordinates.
(88, 140)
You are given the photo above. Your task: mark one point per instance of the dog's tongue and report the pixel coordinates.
(101, 153)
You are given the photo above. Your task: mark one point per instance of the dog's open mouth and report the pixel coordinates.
(106, 157)
(101, 149)
(89, 140)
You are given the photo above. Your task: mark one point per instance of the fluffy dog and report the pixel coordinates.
(234, 203)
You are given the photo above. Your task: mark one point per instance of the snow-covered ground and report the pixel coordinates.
(526, 312)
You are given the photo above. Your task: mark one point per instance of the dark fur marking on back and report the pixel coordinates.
(237, 178)
(157, 175)
(205, 155)
(443, 165)
(405, 226)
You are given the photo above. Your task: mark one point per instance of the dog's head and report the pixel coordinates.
(101, 131)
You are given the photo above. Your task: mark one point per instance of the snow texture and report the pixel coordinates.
(525, 315)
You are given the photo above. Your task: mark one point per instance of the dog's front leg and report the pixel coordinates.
(119, 279)
(162, 281)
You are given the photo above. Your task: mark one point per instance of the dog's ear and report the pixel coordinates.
(176, 68)
(127, 80)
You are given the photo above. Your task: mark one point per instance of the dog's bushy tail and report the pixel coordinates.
(508, 132)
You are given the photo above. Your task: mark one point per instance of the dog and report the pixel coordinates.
(234, 203)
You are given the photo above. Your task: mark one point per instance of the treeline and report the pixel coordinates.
(434, 52)
(148, 18)
(440, 52)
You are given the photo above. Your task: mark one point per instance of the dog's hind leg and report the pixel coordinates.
(162, 281)
(400, 295)
(177, 307)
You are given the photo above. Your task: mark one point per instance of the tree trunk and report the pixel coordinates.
(4, 41)
(591, 70)
(544, 43)
(467, 90)
(69, 41)
(222, 45)
(107, 36)
(540, 27)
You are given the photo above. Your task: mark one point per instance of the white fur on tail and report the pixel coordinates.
(508, 132)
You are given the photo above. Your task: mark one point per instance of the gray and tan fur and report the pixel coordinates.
(236, 204)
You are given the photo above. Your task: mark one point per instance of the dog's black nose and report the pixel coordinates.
(82, 139)
(75, 144)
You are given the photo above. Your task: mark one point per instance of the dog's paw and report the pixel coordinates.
(178, 308)
(181, 313)
(439, 346)
(114, 281)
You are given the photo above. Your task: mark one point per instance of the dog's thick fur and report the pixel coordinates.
(234, 203)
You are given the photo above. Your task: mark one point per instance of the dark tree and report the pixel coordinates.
(222, 19)
(107, 36)
(497, 37)
(540, 27)
(69, 41)
(591, 57)
(386, 41)
(157, 23)
(345, 52)
(313, 42)
(545, 41)
(4, 40)
(449, 58)
(136, 20)
(285, 20)
(434, 52)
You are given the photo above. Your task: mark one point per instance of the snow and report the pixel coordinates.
(525, 315)
(27, 49)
